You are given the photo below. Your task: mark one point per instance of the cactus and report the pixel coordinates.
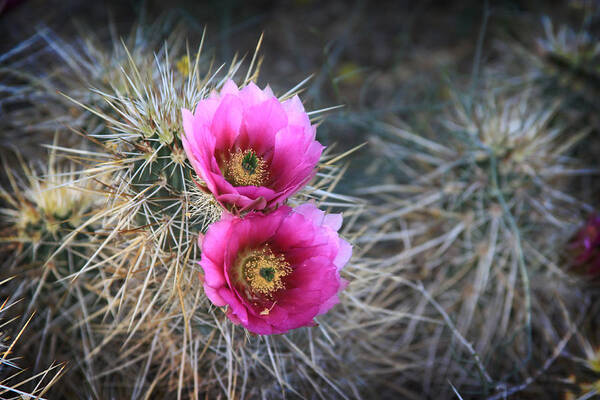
(481, 209)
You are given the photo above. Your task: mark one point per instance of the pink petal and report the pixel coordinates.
(251, 95)
(261, 122)
(236, 307)
(230, 88)
(295, 111)
(214, 296)
(344, 254)
(227, 121)
(205, 111)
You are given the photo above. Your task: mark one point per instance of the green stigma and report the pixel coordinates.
(250, 162)
(267, 273)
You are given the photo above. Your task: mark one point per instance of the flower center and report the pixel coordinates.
(263, 271)
(246, 168)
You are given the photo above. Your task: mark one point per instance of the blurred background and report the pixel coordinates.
(376, 58)
(373, 57)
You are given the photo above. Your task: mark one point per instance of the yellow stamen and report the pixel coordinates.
(246, 168)
(263, 271)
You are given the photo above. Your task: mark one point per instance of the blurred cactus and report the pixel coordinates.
(12, 384)
(39, 70)
(479, 210)
(42, 206)
(579, 49)
(582, 368)
(570, 62)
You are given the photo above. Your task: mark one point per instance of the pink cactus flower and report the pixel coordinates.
(276, 271)
(251, 150)
(586, 245)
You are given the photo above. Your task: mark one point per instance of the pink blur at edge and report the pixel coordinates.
(586, 245)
